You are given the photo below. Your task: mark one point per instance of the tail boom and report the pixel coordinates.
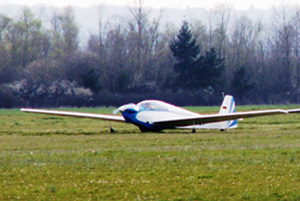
(227, 107)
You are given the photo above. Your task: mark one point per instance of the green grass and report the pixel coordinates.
(58, 158)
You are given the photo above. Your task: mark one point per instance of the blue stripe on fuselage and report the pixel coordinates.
(130, 117)
(233, 123)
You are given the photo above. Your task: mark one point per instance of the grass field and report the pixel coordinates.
(58, 158)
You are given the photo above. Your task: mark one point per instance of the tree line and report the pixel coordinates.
(138, 57)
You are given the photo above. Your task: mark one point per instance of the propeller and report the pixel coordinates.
(126, 107)
(116, 111)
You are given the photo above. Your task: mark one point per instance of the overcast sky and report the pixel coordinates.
(238, 4)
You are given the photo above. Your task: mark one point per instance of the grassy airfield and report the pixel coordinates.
(58, 158)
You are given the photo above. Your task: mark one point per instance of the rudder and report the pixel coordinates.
(228, 107)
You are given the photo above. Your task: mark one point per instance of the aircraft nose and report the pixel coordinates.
(128, 107)
(116, 111)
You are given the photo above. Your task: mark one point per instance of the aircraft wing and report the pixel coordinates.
(188, 121)
(294, 111)
(76, 114)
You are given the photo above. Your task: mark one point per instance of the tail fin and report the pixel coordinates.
(227, 107)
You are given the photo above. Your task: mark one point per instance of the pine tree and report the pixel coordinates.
(209, 70)
(195, 70)
(241, 84)
(187, 52)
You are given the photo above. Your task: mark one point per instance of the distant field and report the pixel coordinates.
(59, 158)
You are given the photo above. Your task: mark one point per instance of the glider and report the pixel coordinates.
(155, 115)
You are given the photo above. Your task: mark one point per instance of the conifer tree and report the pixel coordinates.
(209, 70)
(195, 70)
(187, 52)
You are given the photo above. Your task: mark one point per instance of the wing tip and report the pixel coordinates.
(23, 109)
(293, 111)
